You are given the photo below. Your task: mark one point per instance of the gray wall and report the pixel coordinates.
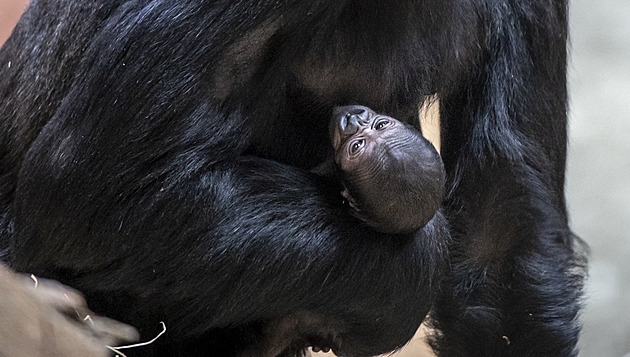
(598, 180)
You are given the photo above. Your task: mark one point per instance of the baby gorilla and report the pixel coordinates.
(392, 177)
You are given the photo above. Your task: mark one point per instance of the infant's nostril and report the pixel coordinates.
(350, 119)
(349, 123)
(360, 115)
(343, 122)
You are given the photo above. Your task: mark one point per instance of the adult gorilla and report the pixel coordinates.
(154, 154)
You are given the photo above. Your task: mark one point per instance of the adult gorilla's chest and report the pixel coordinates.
(304, 76)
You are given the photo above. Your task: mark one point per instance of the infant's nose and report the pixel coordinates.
(351, 118)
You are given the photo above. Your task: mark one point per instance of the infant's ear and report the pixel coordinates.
(355, 211)
(351, 202)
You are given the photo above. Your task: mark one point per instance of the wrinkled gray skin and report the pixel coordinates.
(392, 177)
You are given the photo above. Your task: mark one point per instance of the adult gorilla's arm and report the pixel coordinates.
(514, 287)
(138, 192)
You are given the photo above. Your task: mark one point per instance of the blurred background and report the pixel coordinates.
(598, 176)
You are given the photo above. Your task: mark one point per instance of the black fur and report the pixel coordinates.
(154, 155)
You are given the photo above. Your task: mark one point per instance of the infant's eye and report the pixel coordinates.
(381, 124)
(356, 146)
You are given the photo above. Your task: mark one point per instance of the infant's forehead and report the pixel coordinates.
(399, 144)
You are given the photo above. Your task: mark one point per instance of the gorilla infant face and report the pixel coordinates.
(393, 177)
(357, 131)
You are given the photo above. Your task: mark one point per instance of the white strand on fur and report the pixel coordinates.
(115, 349)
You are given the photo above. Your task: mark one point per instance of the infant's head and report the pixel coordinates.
(393, 177)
